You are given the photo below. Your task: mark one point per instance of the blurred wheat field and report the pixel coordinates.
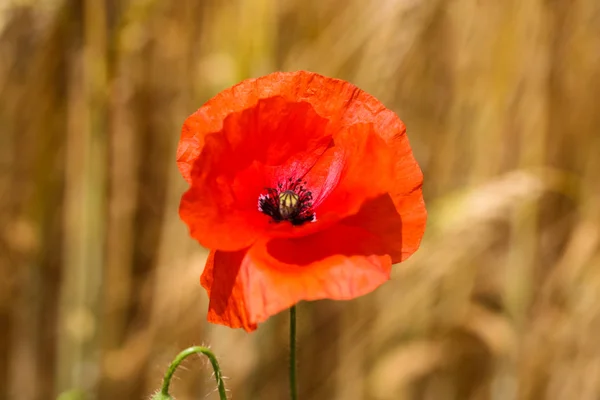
(99, 280)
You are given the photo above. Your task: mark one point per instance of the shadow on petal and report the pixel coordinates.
(380, 217)
(221, 280)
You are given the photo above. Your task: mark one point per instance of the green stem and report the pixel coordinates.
(293, 386)
(182, 356)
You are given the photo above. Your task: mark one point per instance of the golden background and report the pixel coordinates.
(99, 285)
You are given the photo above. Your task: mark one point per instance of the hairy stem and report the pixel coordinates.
(182, 356)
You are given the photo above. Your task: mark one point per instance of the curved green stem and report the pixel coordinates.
(293, 385)
(182, 356)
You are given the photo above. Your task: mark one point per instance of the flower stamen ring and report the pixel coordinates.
(290, 201)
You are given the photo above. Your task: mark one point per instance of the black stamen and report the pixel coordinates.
(289, 202)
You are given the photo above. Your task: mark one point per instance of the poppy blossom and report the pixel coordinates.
(303, 187)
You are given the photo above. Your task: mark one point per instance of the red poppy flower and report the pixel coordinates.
(303, 187)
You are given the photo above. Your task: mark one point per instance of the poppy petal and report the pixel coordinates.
(225, 292)
(407, 194)
(344, 262)
(269, 128)
(380, 217)
(340, 102)
(364, 173)
(358, 167)
(220, 206)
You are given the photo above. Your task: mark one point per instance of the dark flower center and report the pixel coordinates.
(290, 201)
